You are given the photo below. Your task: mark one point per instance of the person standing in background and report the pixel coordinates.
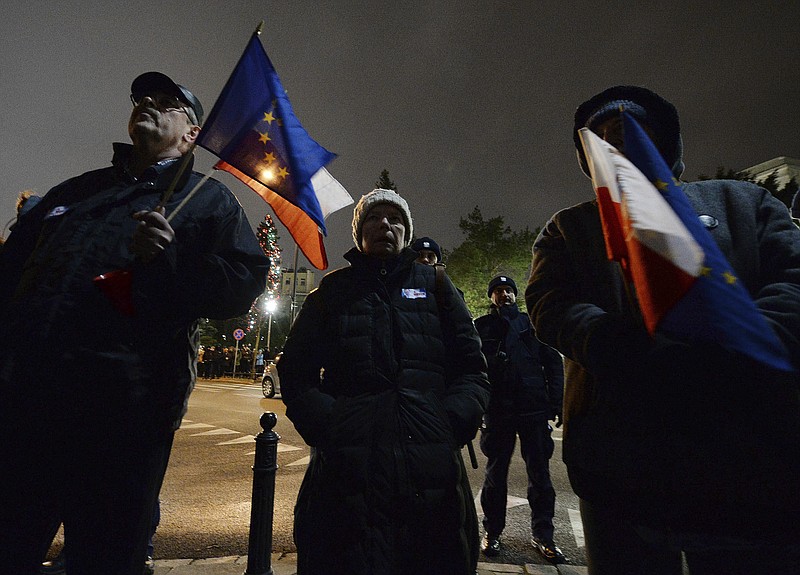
(527, 380)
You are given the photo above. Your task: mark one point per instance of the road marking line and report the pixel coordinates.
(219, 431)
(245, 439)
(195, 426)
(280, 449)
(511, 501)
(577, 527)
(305, 461)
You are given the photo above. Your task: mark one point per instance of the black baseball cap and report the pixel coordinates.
(156, 81)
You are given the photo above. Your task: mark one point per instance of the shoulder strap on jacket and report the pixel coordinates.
(439, 289)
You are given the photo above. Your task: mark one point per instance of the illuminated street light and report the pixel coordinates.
(270, 306)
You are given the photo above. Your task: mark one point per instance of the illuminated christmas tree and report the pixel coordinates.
(268, 238)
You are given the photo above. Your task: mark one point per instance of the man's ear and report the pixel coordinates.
(192, 134)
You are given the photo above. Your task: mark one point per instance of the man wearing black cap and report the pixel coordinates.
(87, 428)
(428, 250)
(674, 446)
(527, 380)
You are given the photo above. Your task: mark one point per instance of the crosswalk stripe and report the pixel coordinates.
(195, 426)
(245, 439)
(218, 431)
(281, 447)
(511, 501)
(577, 527)
(304, 461)
(241, 387)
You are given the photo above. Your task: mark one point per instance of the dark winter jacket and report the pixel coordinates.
(686, 435)
(527, 377)
(139, 368)
(386, 385)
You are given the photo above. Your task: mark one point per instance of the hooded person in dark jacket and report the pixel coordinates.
(386, 382)
(527, 381)
(673, 445)
(93, 383)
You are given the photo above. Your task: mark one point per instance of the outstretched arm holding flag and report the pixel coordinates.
(682, 409)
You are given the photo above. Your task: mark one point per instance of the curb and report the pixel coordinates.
(286, 564)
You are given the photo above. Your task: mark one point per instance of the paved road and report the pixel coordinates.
(207, 490)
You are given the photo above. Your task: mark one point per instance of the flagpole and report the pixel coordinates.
(189, 195)
(294, 283)
(633, 301)
(171, 189)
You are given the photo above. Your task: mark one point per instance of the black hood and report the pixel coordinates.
(659, 115)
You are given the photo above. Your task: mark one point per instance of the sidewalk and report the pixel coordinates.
(286, 564)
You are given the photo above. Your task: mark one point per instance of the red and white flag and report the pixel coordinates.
(642, 231)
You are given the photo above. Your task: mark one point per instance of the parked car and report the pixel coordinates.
(270, 382)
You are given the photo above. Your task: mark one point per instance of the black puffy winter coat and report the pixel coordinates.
(403, 387)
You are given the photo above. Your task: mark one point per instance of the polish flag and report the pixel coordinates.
(659, 253)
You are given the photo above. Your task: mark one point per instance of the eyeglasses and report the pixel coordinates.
(165, 103)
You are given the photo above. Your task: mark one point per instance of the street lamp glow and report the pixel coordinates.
(270, 306)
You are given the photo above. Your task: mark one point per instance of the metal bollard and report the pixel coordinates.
(259, 550)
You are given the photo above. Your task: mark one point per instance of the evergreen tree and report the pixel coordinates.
(490, 248)
(267, 236)
(209, 334)
(384, 182)
(219, 332)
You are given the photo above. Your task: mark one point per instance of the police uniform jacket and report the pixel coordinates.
(527, 377)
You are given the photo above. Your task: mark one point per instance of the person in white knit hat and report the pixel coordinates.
(391, 201)
(403, 388)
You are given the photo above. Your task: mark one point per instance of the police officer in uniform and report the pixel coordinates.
(527, 380)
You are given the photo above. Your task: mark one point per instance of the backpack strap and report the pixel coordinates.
(439, 289)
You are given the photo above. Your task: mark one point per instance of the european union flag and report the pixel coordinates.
(253, 128)
(717, 307)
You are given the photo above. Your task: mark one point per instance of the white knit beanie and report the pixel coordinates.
(369, 201)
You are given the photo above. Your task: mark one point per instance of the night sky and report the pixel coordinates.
(465, 103)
